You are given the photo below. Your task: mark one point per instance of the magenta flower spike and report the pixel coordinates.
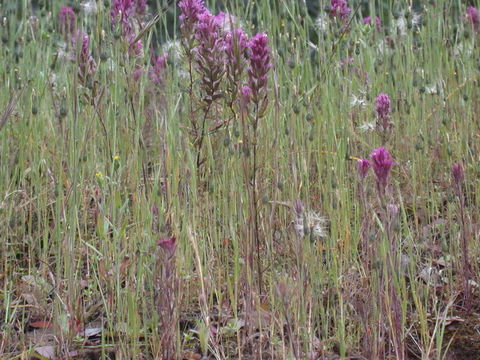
(236, 44)
(66, 20)
(259, 57)
(368, 21)
(156, 71)
(86, 64)
(473, 15)
(382, 162)
(121, 10)
(457, 174)
(339, 9)
(209, 55)
(382, 106)
(190, 10)
(363, 165)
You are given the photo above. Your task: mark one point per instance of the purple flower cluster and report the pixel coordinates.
(86, 64)
(473, 15)
(259, 56)
(190, 10)
(209, 55)
(382, 106)
(236, 44)
(216, 48)
(66, 20)
(368, 21)
(122, 12)
(381, 162)
(339, 9)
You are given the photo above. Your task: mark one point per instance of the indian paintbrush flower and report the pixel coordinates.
(473, 15)
(382, 106)
(457, 174)
(209, 55)
(363, 165)
(339, 8)
(368, 21)
(86, 63)
(381, 162)
(66, 20)
(121, 14)
(259, 58)
(190, 12)
(122, 10)
(236, 46)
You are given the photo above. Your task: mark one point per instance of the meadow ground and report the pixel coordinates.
(239, 179)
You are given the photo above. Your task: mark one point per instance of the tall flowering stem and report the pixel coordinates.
(389, 294)
(190, 11)
(255, 96)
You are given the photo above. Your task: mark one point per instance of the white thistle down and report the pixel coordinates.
(308, 223)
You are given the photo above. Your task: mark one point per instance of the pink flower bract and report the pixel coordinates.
(473, 15)
(382, 162)
(382, 106)
(66, 19)
(363, 165)
(259, 57)
(339, 8)
(368, 21)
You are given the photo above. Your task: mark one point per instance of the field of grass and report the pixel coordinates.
(172, 187)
